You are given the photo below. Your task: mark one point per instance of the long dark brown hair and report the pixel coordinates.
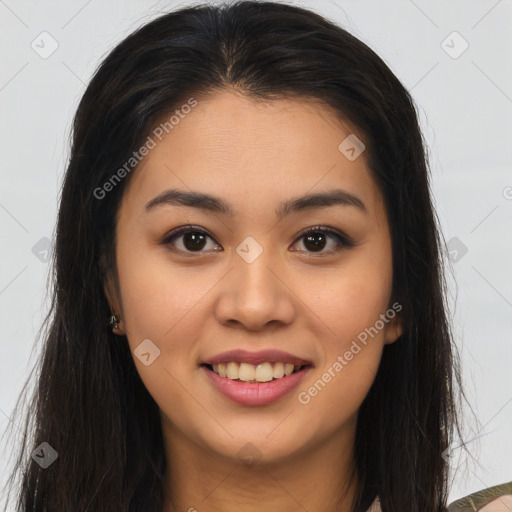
(89, 403)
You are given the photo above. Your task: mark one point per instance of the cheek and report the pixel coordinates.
(353, 348)
(159, 304)
(350, 304)
(351, 298)
(357, 306)
(351, 351)
(158, 296)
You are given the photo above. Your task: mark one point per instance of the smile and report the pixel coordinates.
(252, 373)
(254, 392)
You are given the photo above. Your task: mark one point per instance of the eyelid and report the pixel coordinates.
(182, 230)
(344, 239)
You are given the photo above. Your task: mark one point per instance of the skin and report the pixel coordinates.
(194, 305)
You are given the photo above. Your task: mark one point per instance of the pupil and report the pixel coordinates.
(315, 244)
(196, 239)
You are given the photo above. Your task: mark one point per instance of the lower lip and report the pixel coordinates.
(256, 393)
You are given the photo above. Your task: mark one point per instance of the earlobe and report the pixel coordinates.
(113, 301)
(394, 330)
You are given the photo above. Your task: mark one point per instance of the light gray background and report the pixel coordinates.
(465, 105)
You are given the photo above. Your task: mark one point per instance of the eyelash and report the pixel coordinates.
(343, 241)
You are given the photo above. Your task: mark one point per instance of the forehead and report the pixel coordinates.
(252, 152)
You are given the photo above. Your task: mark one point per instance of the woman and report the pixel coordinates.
(249, 308)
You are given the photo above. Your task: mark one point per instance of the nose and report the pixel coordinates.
(255, 294)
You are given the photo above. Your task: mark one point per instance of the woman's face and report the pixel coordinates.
(252, 279)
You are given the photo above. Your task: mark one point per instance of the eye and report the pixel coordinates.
(193, 239)
(316, 239)
(190, 239)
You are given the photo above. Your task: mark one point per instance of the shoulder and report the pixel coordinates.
(492, 499)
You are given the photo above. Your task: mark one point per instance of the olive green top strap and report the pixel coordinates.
(474, 502)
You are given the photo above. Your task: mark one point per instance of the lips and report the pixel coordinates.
(257, 393)
(255, 358)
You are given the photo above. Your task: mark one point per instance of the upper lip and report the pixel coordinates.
(262, 356)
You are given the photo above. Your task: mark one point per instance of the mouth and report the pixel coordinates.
(255, 373)
(264, 389)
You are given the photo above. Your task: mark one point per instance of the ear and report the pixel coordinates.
(394, 327)
(112, 295)
(115, 304)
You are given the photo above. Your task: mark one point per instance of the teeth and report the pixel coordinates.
(232, 371)
(246, 372)
(264, 372)
(278, 370)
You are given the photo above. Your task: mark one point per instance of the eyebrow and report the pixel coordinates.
(215, 204)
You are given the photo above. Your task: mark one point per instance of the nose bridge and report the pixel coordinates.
(253, 277)
(254, 295)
